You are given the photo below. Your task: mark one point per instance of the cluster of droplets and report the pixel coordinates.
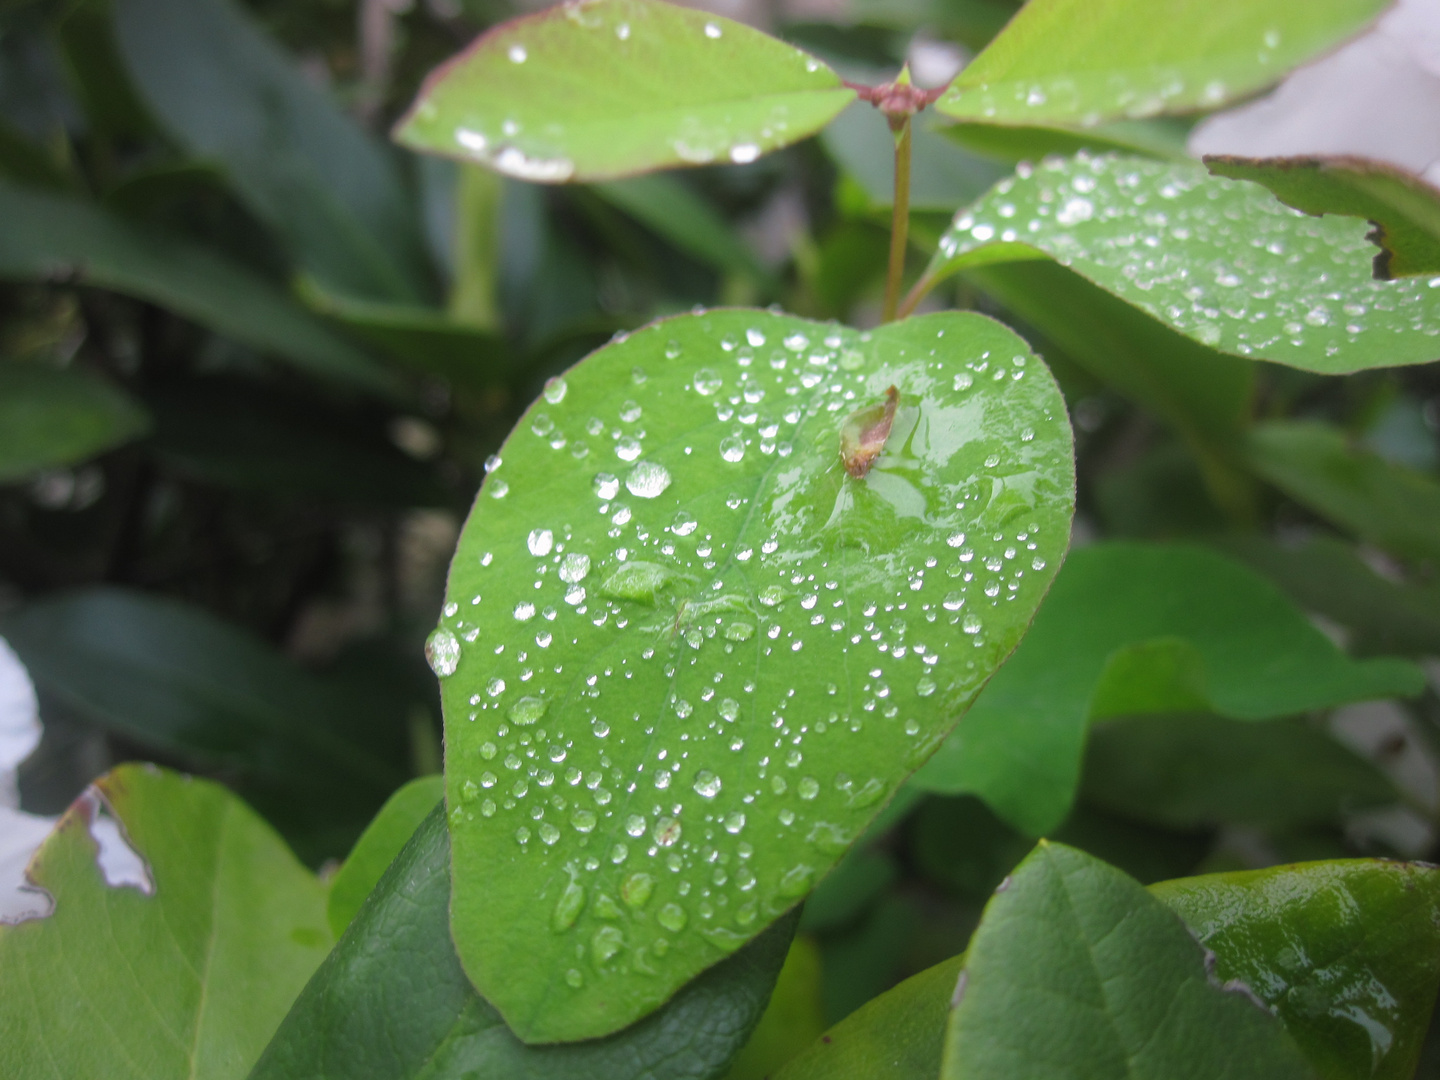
(712, 595)
(1163, 88)
(1221, 261)
(700, 136)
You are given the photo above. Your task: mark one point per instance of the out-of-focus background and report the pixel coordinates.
(253, 359)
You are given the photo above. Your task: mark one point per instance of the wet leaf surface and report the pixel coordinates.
(1141, 628)
(599, 89)
(182, 970)
(1403, 207)
(392, 1002)
(1347, 954)
(686, 659)
(1221, 261)
(1078, 62)
(1076, 970)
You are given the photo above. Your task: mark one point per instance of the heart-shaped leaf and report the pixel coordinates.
(597, 89)
(1346, 953)
(1083, 61)
(1142, 628)
(181, 931)
(1404, 209)
(1076, 970)
(687, 656)
(1219, 260)
(391, 1002)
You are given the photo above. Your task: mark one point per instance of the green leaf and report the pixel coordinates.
(669, 581)
(183, 971)
(1346, 953)
(1218, 260)
(1076, 970)
(1205, 395)
(1316, 465)
(1079, 62)
(55, 238)
(1404, 209)
(942, 175)
(598, 89)
(1164, 139)
(228, 94)
(51, 417)
(176, 679)
(677, 213)
(791, 1022)
(425, 340)
(899, 1035)
(1327, 576)
(378, 846)
(366, 1016)
(1142, 628)
(857, 881)
(1189, 771)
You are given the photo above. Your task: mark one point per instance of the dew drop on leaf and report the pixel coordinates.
(442, 651)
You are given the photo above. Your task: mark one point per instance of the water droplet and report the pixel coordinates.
(606, 485)
(495, 687)
(925, 687)
(555, 390)
(573, 567)
(734, 822)
(729, 707)
(712, 30)
(548, 833)
(628, 448)
(568, 907)
(744, 153)
(605, 943)
(524, 611)
(683, 524)
(795, 881)
(647, 480)
(739, 631)
(971, 625)
(706, 382)
(583, 820)
(527, 710)
(442, 650)
(540, 542)
(517, 54)
(707, 784)
(574, 979)
(672, 917)
(672, 350)
(637, 889)
(667, 831)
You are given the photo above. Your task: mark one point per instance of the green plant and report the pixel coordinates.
(735, 654)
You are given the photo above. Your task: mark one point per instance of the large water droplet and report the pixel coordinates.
(555, 390)
(672, 917)
(606, 942)
(647, 480)
(442, 650)
(732, 448)
(606, 485)
(583, 820)
(637, 889)
(734, 821)
(574, 567)
(683, 524)
(706, 381)
(707, 784)
(795, 881)
(568, 907)
(540, 542)
(527, 710)
(667, 831)
(628, 448)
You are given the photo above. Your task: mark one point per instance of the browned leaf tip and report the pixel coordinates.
(864, 433)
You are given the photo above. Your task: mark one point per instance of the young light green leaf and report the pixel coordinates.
(51, 417)
(1220, 261)
(1316, 465)
(229, 94)
(378, 846)
(1404, 209)
(686, 658)
(793, 1019)
(1346, 953)
(182, 929)
(899, 1035)
(392, 1002)
(1081, 62)
(1076, 970)
(1193, 771)
(1132, 628)
(57, 238)
(599, 89)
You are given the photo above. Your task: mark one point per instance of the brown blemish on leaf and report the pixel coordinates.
(864, 432)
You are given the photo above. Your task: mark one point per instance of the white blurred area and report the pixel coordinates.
(1377, 96)
(20, 833)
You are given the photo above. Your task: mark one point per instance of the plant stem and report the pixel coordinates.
(900, 220)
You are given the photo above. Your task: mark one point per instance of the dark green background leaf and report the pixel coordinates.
(51, 417)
